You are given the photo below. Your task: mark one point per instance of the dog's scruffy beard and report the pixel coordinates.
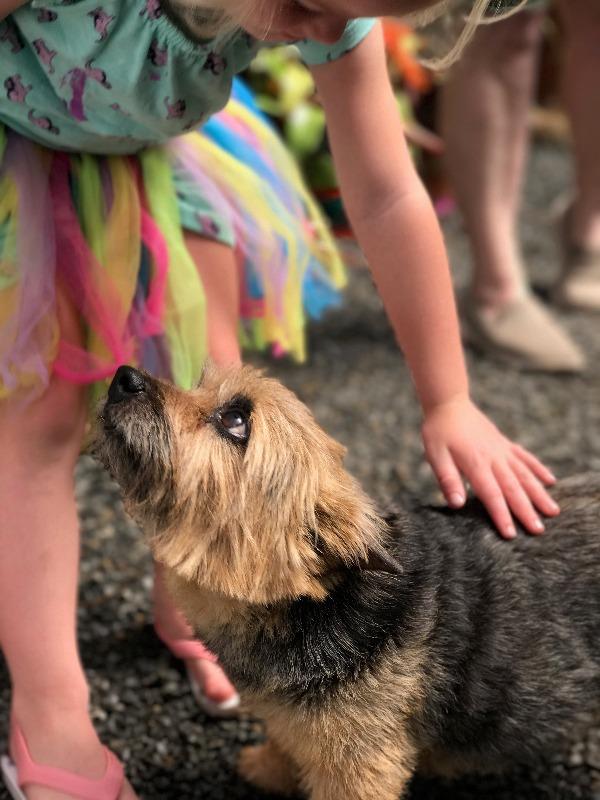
(134, 443)
(257, 518)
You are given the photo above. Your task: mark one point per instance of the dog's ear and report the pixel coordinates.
(379, 560)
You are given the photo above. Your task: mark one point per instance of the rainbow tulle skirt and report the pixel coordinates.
(108, 234)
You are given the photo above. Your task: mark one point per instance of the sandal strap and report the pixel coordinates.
(185, 649)
(106, 788)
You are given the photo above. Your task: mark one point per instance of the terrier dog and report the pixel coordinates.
(370, 644)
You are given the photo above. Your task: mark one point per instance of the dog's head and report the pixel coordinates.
(235, 484)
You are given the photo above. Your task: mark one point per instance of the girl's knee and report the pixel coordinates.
(50, 427)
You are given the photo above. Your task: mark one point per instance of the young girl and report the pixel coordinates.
(112, 236)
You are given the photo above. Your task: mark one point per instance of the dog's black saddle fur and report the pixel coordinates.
(508, 630)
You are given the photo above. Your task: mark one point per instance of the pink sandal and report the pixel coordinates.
(19, 770)
(187, 649)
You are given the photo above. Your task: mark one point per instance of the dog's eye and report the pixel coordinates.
(235, 422)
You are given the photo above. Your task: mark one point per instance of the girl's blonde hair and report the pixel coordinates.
(208, 19)
(446, 24)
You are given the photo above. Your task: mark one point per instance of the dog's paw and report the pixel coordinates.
(268, 769)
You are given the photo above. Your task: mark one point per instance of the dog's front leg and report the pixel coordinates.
(364, 767)
(265, 766)
(351, 781)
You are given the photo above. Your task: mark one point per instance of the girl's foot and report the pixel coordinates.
(212, 688)
(64, 739)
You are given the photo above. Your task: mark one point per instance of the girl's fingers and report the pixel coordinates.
(535, 491)
(447, 476)
(535, 465)
(486, 487)
(517, 498)
(510, 486)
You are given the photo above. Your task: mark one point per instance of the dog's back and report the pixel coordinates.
(498, 639)
(513, 644)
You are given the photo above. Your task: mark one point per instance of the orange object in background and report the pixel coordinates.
(402, 45)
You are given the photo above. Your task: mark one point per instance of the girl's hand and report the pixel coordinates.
(460, 440)
(399, 233)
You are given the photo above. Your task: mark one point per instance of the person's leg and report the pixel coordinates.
(485, 111)
(579, 284)
(39, 537)
(581, 19)
(219, 273)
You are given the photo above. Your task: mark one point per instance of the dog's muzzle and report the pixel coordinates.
(134, 442)
(127, 383)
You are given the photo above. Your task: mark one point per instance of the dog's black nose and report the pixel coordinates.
(127, 382)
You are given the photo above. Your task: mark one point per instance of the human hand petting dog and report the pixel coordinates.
(398, 231)
(509, 480)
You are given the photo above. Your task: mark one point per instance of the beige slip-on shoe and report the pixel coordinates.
(523, 333)
(579, 285)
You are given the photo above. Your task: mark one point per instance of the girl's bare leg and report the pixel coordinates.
(485, 117)
(219, 273)
(485, 114)
(39, 538)
(581, 21)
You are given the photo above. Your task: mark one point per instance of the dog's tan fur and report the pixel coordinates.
(257, 523)
(341, 749)
(356, 747)
(263, 541)
(241, 534)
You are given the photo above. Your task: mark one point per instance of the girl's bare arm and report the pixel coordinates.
(399, 233)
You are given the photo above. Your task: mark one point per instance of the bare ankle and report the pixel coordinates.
(496, 296)
(50, 705)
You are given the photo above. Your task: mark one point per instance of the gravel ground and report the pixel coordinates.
(359, 389)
